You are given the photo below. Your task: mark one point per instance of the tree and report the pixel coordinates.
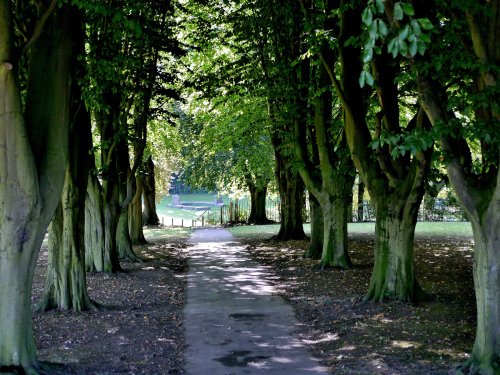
(392, 168)
(232, 149)
(475, 180)
(328, 174)
(65, 285)
(32, 163)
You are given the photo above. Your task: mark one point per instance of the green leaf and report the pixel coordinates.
(415, 27)
(367, 16)
(408, 9)
(382, 28)
(398, 12)
(362, 78)
(425, 23)
(404, 33)
(372, 30)
(367, 55)
(392, 47)
(369, 79)
(380, 5)
(403, 47)
(413, 48)
(425, 38)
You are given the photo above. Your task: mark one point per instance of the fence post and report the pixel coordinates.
(221, 215)
(203, 221)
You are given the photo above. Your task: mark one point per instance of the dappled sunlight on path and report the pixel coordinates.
(235, 321)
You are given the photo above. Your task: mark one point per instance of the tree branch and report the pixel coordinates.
(39, 26)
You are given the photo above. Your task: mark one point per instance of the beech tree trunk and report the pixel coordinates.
(291, 190)
(317, 228)
(33, 156)
(486, 350)
(335, 250)
(135, 226)
(123, 240)
(65, 283)
(361, 193)
(150, 217)
(258, 195)
(94, 226)
(393, 273)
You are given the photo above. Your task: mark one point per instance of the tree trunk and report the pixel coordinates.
(135, 215)
(291, 190)
(258, 197)
(317, 228)
(486, 350)
(361, 193)
(111, 210)
(393, 274)
(127, 187)
(334, 252)
(32, 161)
(65, 283)
(94, 227)
(123, 241)
(150, 217)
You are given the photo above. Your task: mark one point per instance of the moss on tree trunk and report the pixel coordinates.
(393, 275)
(334, 252)
(317, 228)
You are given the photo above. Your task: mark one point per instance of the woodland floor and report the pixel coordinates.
(139, 330)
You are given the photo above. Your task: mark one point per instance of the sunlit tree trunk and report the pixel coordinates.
(135, 214)
(33, 156)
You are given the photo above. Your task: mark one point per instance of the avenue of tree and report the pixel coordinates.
(290, 95)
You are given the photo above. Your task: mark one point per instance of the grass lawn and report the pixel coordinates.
(165, 234)
(166, 213)
(423, 229)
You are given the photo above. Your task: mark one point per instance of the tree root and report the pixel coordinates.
(473, 366)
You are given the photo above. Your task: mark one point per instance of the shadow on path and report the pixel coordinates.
(235, 321)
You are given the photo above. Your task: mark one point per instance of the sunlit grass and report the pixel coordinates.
(166, 234)
(423, 229)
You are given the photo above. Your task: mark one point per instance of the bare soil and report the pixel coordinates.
(138, 329)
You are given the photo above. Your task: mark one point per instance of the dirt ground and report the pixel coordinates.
(139, 328)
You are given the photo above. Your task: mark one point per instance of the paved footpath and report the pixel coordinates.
(235, 321)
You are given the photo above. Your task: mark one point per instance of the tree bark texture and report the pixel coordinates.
(127, 187)
(258, 195)
(33, 155)
(135, 226)
(361, 193)
(317, 228)
(150, 217)
(291, 190)
(94, 226)
(393, 271)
